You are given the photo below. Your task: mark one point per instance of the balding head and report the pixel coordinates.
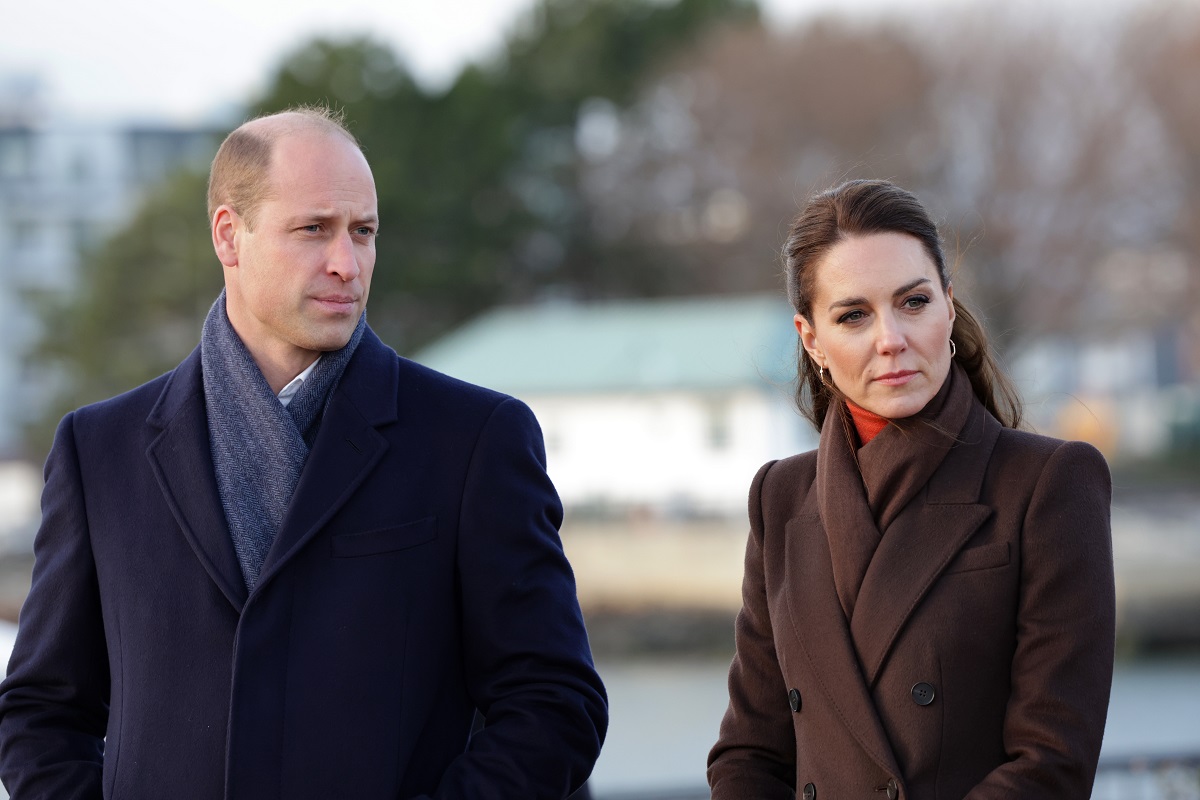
(240, 174)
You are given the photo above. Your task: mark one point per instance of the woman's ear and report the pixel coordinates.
(808, 338)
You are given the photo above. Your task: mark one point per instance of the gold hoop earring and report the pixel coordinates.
(953, 349)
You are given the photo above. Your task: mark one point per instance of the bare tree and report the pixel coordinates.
(1026, 131)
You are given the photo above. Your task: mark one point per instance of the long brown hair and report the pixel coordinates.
(858, 208)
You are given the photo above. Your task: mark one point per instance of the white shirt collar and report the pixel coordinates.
(288, 392)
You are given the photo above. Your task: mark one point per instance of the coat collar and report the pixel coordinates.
(922, 540)
(345, 450)
(180, 459)
(862, 492)
(820, 628)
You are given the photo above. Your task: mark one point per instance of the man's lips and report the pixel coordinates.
(898, 378)
(337, 302)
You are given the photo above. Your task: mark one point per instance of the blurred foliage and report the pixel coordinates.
(137, 308)
(619, 148)
(477, 194)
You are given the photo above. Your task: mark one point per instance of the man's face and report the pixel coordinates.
(297, 283)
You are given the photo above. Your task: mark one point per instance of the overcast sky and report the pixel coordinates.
(186, 60)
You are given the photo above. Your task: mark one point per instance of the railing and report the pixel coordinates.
(1172, 777)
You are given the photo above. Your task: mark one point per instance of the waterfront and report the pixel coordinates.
(665, 713)
(665, 716)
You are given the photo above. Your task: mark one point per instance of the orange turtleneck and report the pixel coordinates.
(868, 423)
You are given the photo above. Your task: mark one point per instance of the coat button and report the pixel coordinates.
(893, 789)
(810, 792)
(794, 699)
(923, 694)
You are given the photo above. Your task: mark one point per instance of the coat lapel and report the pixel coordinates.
(346, 449)
(182, 463)
(851, 532)
(921, 542)
(821, 629)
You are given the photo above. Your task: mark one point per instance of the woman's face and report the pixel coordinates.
(881, 323)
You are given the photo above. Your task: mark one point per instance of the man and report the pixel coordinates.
(298, 565)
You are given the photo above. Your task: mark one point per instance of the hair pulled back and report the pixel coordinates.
(859, 208)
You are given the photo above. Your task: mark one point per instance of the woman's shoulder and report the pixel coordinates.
(1031, 446)
(784, 483)
(1039, 458)
(790, 469)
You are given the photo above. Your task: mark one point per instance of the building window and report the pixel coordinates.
(718, 426)
(23, 235)
(16, 154)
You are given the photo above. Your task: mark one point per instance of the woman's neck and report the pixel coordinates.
(867, 423)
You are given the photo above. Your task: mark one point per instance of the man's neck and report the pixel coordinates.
(280, 370)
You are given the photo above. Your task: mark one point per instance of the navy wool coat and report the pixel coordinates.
(418, 577)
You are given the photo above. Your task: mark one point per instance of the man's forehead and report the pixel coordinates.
(316, 156)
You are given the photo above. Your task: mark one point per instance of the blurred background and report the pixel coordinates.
(582, 205)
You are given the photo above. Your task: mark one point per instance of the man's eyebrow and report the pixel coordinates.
(309, 218)
(858, 301)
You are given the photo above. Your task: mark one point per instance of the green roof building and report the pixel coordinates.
(662, 405)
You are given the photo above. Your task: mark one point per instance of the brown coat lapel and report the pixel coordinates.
(835, 539)
(823, 635)
(921, 543)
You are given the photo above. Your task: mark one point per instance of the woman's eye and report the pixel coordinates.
(916, 301)
(851, 316)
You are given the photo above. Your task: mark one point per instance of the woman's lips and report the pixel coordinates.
(896, 378)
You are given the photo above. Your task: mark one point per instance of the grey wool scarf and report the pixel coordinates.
(258, 446)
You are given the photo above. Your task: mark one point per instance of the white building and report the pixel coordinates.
(665, 407)
(1135, 394)
(64, 186)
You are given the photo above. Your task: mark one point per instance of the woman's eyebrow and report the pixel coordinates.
(858, 301)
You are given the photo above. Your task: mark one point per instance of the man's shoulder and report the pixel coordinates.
(444, 395)
(136, 403)
(422, 386)
(418, 377)
(416, 383)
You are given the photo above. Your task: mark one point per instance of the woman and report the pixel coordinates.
(928, 597)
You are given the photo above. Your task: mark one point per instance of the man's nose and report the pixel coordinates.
(343, 261)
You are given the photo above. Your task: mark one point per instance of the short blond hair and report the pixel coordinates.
(239, 174)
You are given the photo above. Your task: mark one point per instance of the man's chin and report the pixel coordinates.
(329, 340)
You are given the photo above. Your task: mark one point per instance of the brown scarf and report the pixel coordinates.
(860, 492)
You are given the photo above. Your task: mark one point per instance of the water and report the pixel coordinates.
(665, 714)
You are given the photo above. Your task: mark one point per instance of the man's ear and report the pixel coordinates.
(226, 228)
(808, 338)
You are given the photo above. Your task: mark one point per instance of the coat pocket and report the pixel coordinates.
(985, 556)
(384, 540)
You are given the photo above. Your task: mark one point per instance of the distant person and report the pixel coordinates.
(298, 565)
(928, 598)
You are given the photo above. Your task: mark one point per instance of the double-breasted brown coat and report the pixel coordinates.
(928, 617)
